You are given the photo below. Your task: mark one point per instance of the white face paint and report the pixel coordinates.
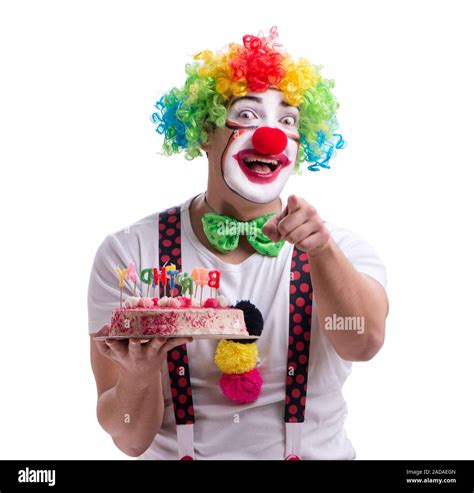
(259, 176)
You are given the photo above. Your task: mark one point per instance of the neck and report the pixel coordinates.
(239, 208)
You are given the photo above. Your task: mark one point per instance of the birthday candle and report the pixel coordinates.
(131, 275)
(213, 278)
(186, 282)
(170, 268)
(163, 279)
(145, 276)
(172, 275)
(153, 284)
(121, 274)
(213, 281)
(199, 274)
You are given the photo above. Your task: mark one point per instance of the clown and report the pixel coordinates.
(278, 113)
(259, 116)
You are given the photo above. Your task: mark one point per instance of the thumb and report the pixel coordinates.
(270, 228)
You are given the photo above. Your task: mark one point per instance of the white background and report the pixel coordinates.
(79, 160)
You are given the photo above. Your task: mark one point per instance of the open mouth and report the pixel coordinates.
(258, 168)
(261, 165)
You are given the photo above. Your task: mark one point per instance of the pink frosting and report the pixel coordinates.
(184, 301)
(211, 303)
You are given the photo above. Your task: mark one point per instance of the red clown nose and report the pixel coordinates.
(268, 140)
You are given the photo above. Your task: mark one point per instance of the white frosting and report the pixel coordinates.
(145, 302)
(132, 302)
(163, 301)
(223, 301)
(173, 303)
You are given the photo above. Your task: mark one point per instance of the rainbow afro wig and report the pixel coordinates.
(186, 115)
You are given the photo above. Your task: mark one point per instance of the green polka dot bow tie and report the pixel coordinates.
(223, 232)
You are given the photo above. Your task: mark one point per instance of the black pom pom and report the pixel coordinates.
(253, 320)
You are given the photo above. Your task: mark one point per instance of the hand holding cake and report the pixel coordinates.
(139, 362)
(176, 316)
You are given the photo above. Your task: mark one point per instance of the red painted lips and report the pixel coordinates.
(261, 168)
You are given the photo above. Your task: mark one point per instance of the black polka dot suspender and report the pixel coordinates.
(169, 251)
(299, 338)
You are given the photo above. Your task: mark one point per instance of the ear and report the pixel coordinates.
(206, 146)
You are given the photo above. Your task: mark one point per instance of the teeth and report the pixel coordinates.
(252, 159)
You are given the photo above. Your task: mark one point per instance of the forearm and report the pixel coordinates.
(132, 412)
(341, 291)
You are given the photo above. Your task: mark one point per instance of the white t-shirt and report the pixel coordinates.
(223, 429)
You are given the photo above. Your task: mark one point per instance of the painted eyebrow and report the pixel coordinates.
(243, 98)
(288, 105)
(260, 100)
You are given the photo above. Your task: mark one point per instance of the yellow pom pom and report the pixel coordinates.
(233, 357)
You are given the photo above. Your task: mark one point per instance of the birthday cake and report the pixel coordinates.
(179, 311)
(177, 316)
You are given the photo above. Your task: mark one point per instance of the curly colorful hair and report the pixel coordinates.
(186, 115)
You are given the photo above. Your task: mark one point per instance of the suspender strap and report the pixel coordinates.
(180, 380)
(299, 339)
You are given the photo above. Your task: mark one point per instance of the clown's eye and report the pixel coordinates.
(247, 115)
(288, 120)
